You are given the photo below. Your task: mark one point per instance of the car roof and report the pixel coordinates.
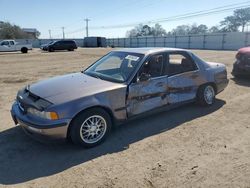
(63, 40)
(151, 50)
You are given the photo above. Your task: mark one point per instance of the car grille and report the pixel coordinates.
(20, 105)
(25, 94)
(26, 99)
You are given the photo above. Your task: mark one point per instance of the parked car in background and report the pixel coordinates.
(121, 85)
(13, 46)
(242, 65)
(69, 45)
(44, 45)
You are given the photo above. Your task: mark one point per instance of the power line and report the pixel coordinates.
(172, 18)
(115, 10)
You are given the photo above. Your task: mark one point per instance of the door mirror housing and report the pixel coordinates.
(144, 77)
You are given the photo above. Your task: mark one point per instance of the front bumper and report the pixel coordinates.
(240, 70)
(40, 128)
(44, 48)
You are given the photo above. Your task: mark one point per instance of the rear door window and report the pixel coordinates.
(179, 62)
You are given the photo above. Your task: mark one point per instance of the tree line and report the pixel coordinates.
(239, 20)
(12, 31)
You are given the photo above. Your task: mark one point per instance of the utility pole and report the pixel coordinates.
(50, 34)
(87, 26)
(63, 32)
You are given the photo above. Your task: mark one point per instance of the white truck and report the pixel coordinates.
(13, 46)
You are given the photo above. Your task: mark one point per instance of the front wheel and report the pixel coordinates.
(91, 127)
(206, 95)
(51, 49)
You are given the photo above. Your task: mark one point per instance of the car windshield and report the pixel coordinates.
(115, 66)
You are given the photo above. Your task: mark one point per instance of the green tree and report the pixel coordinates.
(240, 18)
(230, 24)
(187, 29)
(9, 31)
(214, 29)
(181, 30)
(158, 31)
(198, 29)
(145, 30)
(243, 17)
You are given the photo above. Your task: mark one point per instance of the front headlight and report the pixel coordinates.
(43, 114)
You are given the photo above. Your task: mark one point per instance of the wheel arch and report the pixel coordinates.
(208, 83)
(108, 110)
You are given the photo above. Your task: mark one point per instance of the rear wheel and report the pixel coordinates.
(24, 50)
(71, 49)
(206, 95)
(91, 127)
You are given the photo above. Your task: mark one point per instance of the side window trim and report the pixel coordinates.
(186, 55)
(163, 64)
(6, 43)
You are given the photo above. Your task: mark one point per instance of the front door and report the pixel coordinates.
(5, 46)
(149, 90)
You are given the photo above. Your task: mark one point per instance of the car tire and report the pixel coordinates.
(51, 49)
(71, 49)
(24, 50)
(206, 95)
(91, 127)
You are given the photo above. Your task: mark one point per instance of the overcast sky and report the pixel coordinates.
(54, 14)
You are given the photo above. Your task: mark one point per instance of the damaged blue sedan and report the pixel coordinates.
(121, 85)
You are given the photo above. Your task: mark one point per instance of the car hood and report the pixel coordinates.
(245, 50)
(70, 87)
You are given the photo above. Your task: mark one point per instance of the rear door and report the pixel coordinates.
(184, 77)
(151, 93)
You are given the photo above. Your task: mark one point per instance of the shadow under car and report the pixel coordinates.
(23, 159)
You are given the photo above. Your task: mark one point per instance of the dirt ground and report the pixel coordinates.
(190, 146)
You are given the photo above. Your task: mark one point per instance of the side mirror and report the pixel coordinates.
(144, 77)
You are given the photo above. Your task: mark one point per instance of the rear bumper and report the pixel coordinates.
(45, 130)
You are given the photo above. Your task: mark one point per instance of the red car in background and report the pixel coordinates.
(242, 65)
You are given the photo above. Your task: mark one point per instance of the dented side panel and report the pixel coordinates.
(183, 87)
(145, 96)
